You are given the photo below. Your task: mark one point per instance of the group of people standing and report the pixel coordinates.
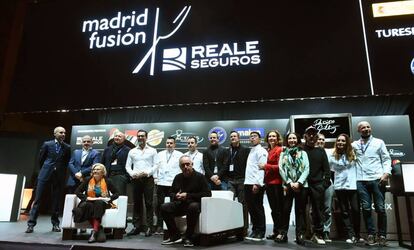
(285, 170)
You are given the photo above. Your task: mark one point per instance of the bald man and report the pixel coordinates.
(53, 158)
(373, 170)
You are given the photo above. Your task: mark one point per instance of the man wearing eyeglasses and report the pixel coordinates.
(80, 163)
(187, 190)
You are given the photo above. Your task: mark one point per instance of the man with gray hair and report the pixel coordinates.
(53, 159)
(114, 158)
(187, 190)
(81, 162)
(373, 165)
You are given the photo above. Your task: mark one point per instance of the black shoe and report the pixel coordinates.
(300, 240)
(325, 237)
(257, 237)
(148, 232)
(56, 228)
(134, 231)
(29, 229)
(159, 231)
(101, 236)
(188, 243)
(251, 235)
(172, 240)
(281, 238)
(92, 238)
(271, 236)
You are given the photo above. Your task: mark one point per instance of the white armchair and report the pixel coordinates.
(113, 218)
(220, 218)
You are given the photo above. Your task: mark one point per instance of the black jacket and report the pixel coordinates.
(215, 156)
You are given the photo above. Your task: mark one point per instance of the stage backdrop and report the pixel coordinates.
(128, 53)
(394, 130)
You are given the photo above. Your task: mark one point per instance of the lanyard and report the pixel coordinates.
(195, 154)
(168, 158)
(232, 156)
(362, 147)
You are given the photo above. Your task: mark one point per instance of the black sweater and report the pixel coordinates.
(195, 186)
(319, 171)
(238, 157)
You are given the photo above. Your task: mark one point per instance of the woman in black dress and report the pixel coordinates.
(96, 194)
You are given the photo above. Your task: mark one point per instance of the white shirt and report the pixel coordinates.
(254, 175)
(345, 173)
(373, 159)
(142, 160)
(169, 167)
(197, 158)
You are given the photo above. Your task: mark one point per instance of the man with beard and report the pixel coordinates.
(373, 170)
(186, 192)
(214, 162)
(142, 163)
(318, 181)
(169, 168)
(53, 158)
(114, 158)
(237, 161)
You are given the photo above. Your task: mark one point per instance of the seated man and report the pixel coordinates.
(187, 190)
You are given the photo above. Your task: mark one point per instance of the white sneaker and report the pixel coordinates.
(349, 241)
(317, 240)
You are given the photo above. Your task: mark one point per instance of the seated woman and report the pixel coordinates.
(96, 194)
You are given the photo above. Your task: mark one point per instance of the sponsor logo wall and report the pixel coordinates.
(394, 130)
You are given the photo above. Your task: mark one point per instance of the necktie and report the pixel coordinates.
(58, 146)
(84, 155)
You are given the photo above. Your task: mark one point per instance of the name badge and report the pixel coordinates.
(115, 162)
(215, 170)
(231, 168)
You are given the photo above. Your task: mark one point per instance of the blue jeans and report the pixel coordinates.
(366, 190)
(222, 186)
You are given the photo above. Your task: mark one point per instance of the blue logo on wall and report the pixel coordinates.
(412, 66)
(222, 135)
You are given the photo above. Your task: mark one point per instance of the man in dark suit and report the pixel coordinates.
(53, 158)
(114, 158)
(81, 162)
(215, 160)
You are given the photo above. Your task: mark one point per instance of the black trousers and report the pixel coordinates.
(120, 181)
(274, 194)
(350, 212)
(237, 187)
(300, 207)
(317, 198)
(255, 207)
(179, 208)
(162, 192)
(56, 181)
(143, 188)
